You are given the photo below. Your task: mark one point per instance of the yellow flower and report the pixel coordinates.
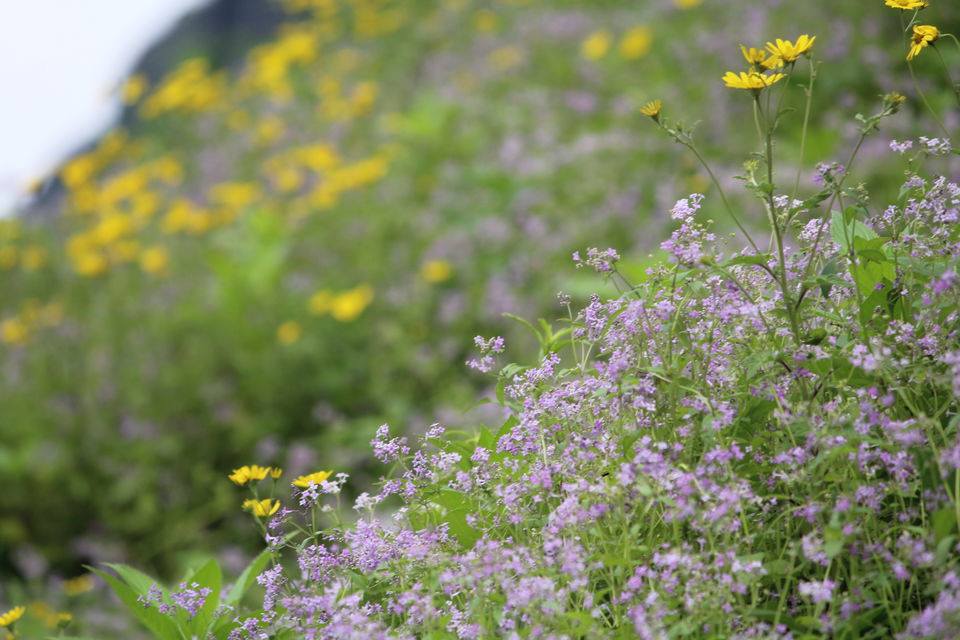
(14, 331)
(133, 88)
(506, 57)
(436, 271)
(154, 260)
(314, 478)
(923, 35)
(289, 332)
(320, 303)
(261, 508)
(9, 256)
(350, 304)
(687, 4)
(485, 20)
(789, 51)
(11, 616)
(276, 472)
(246, 473)
(636, 42)
(90, 264)
(596, 45)
(652, 109)
(753, 55)
(34, 257)
(759, 58)
(78, 585)
(754, 80)
(907, 4)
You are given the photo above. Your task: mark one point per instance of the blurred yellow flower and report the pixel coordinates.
(261, 508)
(321, 302)
(789, 51)
(315, 478)
(154, 260)
(485, 20)
(269, 130)
(755, 81)
(49, 616)
(363, 98)
(289, 332)
(52, 314)
(923, 35)
(112, 228)
(687, 4)
(907, 4)
(11, 616)
(90, 264)
(246, 473)
(9, 256)
(436, 271)
(276, 472)
(133, 88)
(350, 304)
(14, 331)
(235, 195)
(78, 585)
(506, 57)
(652, 109)
(124, 251)
(636, 42)
(596, 45)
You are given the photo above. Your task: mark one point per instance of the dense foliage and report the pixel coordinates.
(753, 436)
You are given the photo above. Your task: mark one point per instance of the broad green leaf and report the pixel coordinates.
(844, 232)
(247, 578)
(158, 624)
(207, 576)
(137, 580)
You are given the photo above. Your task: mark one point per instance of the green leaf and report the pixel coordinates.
(158, 624)
(844, 232)
(137, 580)
(833, 548)
(486, 439)
(247, 578)
(944, 523)
(210, 577)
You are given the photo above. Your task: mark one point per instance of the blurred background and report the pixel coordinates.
(251, 231)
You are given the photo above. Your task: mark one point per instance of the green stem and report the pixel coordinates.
(806, 120)
(916, 87)
(946, 70)
(723, 195)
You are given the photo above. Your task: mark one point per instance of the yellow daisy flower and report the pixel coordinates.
(289, 332)
(652, 109)
(315, 478)
(759, 58)
(753, 55)
(923, 35)
(754, 81)
(907, 4)
(11, 616)
(261, 508)
(246, 473)
(790, 51)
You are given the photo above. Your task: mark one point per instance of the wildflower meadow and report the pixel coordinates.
(476, 319)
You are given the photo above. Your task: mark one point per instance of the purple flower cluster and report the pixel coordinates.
(691, 465)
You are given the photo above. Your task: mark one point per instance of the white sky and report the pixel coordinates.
(60, 64)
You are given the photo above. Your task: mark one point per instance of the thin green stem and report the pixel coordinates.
(806, 121)
(955, 87)
(723, 196)
(916, 86)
